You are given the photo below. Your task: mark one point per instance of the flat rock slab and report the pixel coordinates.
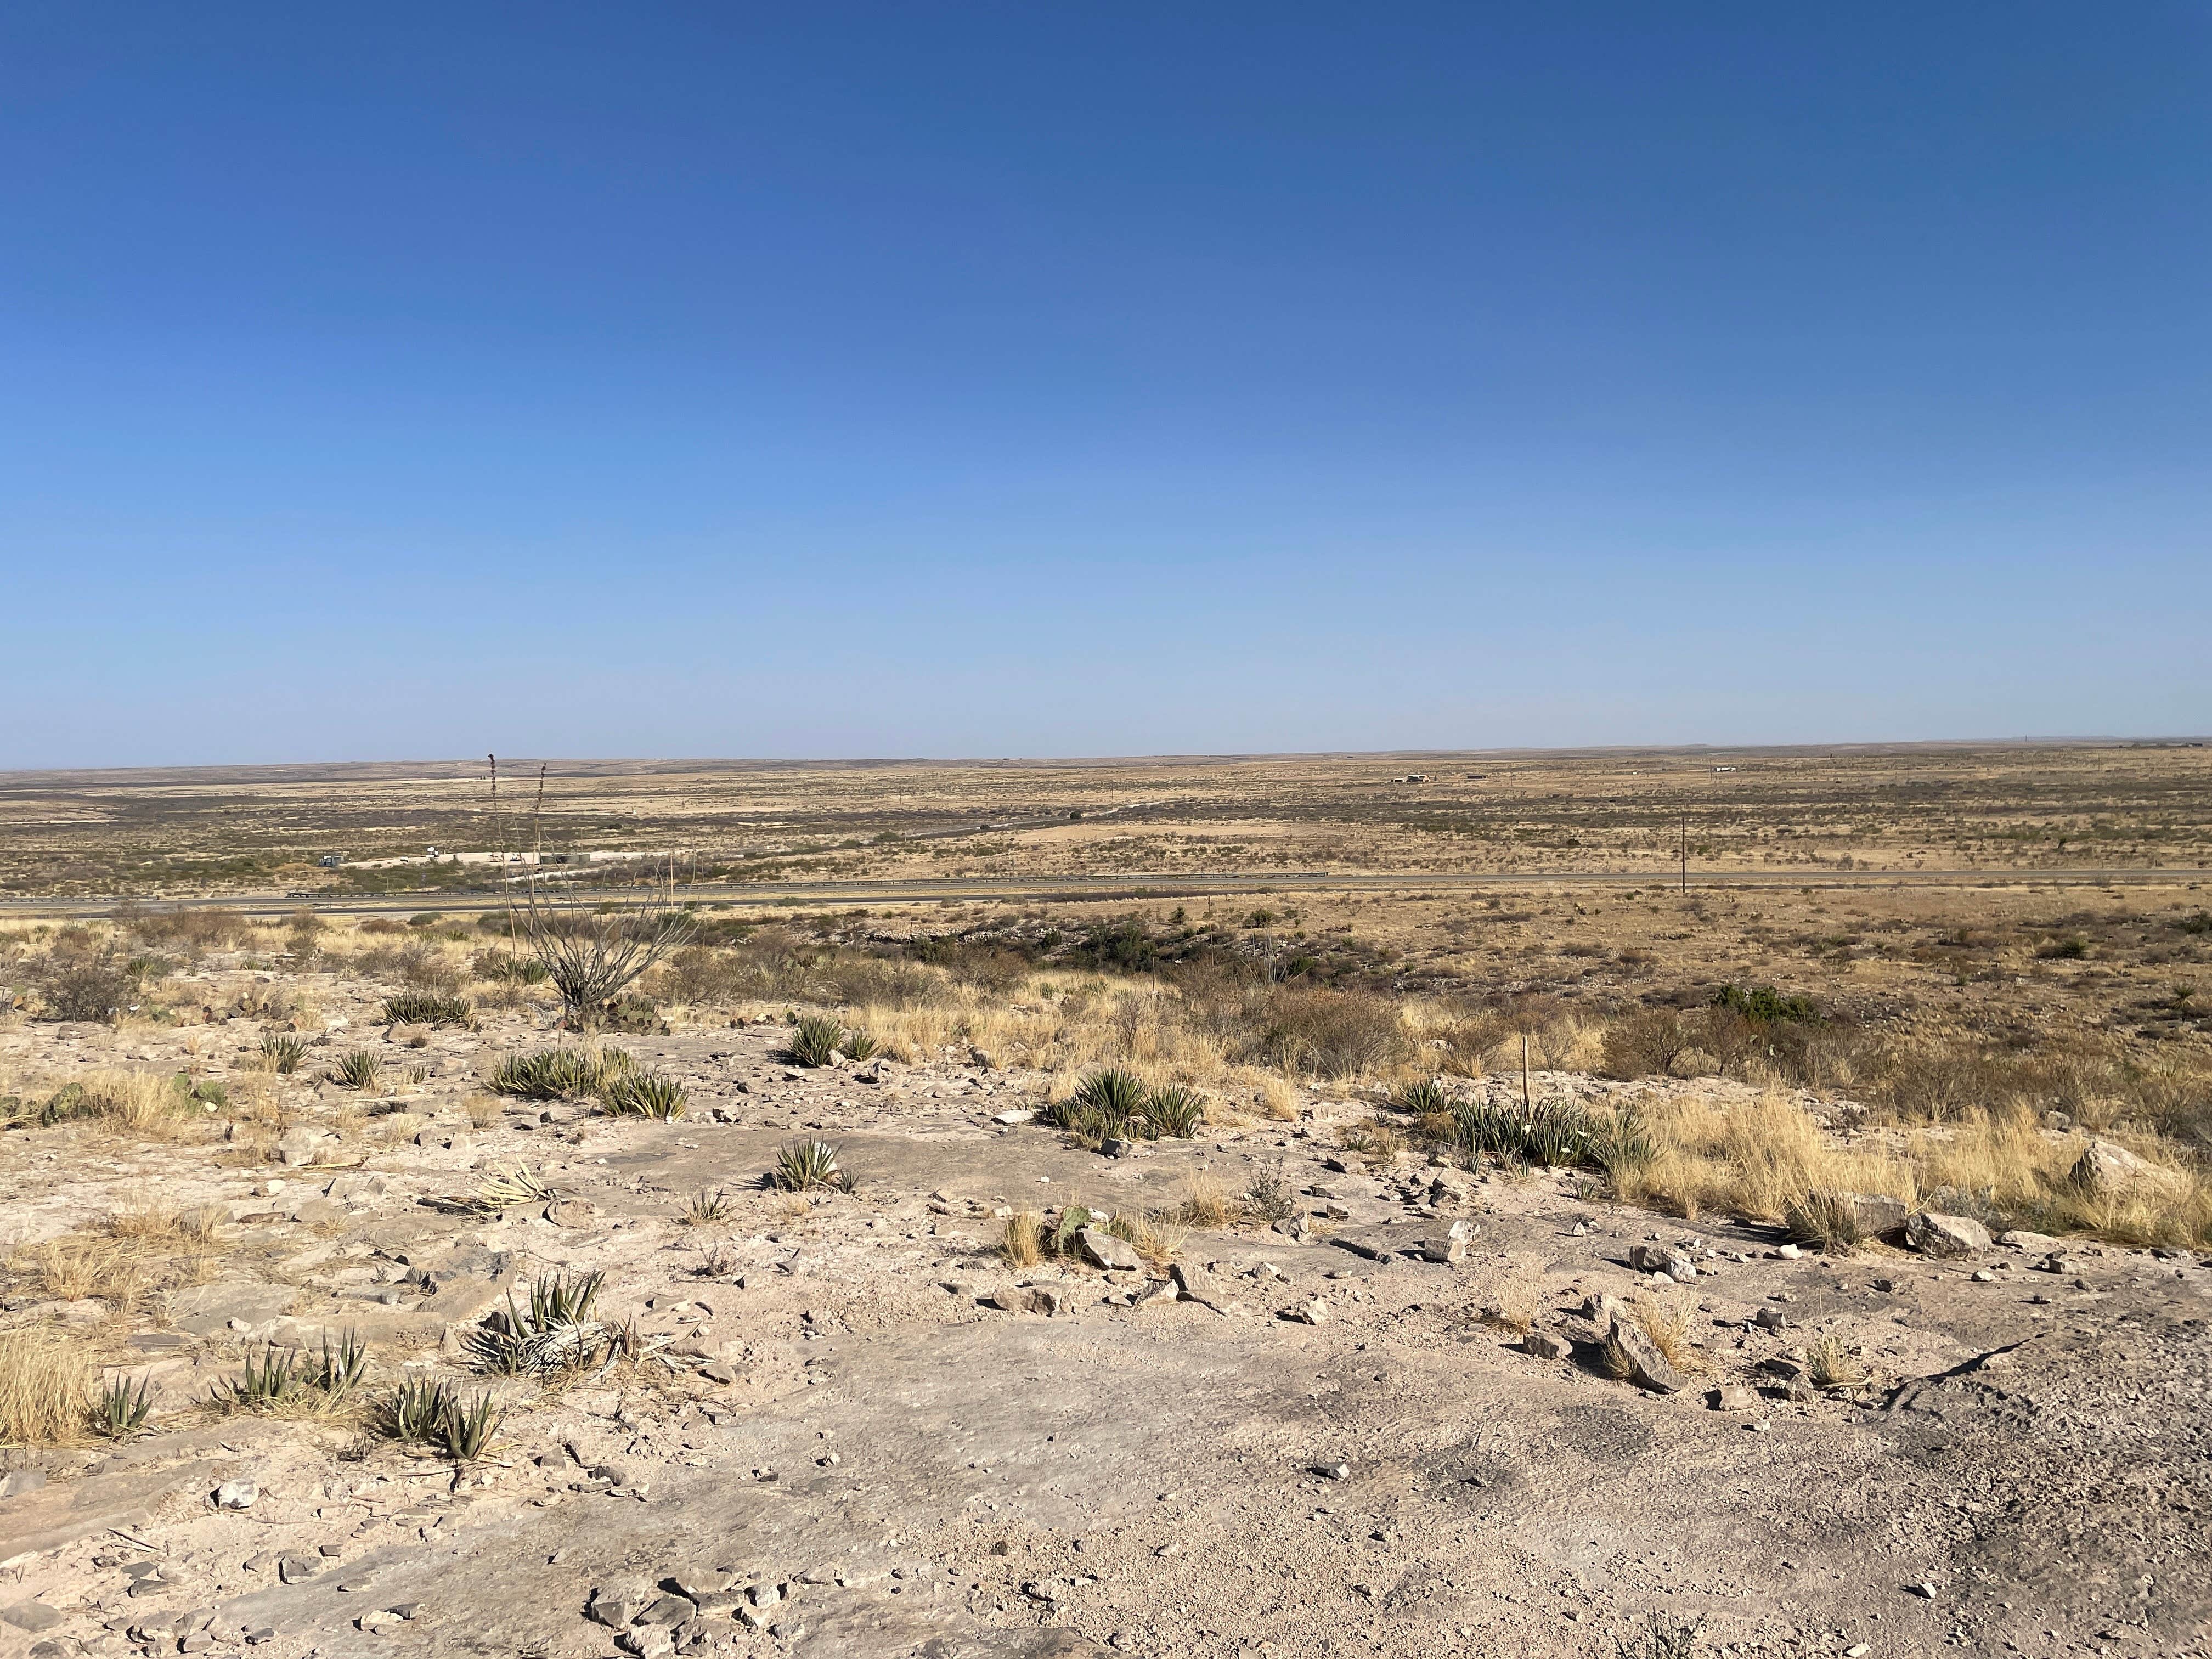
(203, 1309)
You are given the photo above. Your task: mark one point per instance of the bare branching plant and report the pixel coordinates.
(592, 948)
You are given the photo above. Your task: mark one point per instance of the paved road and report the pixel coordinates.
(1170, 884)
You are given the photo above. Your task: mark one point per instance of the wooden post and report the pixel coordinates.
(1524, 1072)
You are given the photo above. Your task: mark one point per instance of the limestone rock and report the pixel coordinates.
(1542, 1345)
(1103, 1249)
(2106, 1169)
(1647, 1368)
(1932, 1233)
(1026, 1299)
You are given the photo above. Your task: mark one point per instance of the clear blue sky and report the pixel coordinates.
(1049, 379)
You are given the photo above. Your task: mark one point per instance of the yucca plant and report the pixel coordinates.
(358, 1070)
(803, 1165)
(340, 1368)
(117, 1410)
(282, 1053)
(1423, 1098)
(426, 1008)
(706, 1209)
(268, 1380)
(1172, 1109)
(816, 1038)
(859, 1045)
(564, 1074)
(644, 1093)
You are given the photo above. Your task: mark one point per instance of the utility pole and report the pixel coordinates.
(1686, 854)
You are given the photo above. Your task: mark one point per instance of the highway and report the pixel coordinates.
(1163, 885)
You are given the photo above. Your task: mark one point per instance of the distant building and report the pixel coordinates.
(331, 860)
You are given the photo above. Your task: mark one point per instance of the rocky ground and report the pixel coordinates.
(847, 1427)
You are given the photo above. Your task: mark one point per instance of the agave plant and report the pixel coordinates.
(426, 1008)
(282, 1053)
(117, 1410)
(1423, 1099)
(267, 1380)
(503, 1189)
(1107, 1102)
(706, 1209)
(803, 1165)
(554, 1333)
(464, 1431)
(340, 1368)
(414, 1411)
(817, 1037)
(644, 1093)
(1173, 1110)
(859, 1045)
(358, 1070)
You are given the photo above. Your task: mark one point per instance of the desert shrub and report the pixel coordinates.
(96, 990)
(192, 931)
(1763, 1004)
(1662, 1636)
(2072, 948)
(1645, 1043)
(426, 1008)
(1328, 1033)
(1269, 1196)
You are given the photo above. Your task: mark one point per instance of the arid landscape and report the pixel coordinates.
(1355, 1216)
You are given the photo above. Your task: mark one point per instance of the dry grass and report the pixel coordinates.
(78, 1266)
(1153, 1236)
(46, 1387)
(1022, 1244)
(1669, 1330)
(143, 1103)
(1832, 1365)
(1206, 1203)
(148, 1224)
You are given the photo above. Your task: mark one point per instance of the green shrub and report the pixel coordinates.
(1763, 1004)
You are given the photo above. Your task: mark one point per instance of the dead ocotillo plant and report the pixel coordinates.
(594, 947)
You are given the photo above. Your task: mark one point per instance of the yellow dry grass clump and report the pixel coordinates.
(46, 1387)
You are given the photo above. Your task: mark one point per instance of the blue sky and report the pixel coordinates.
(978, 381)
